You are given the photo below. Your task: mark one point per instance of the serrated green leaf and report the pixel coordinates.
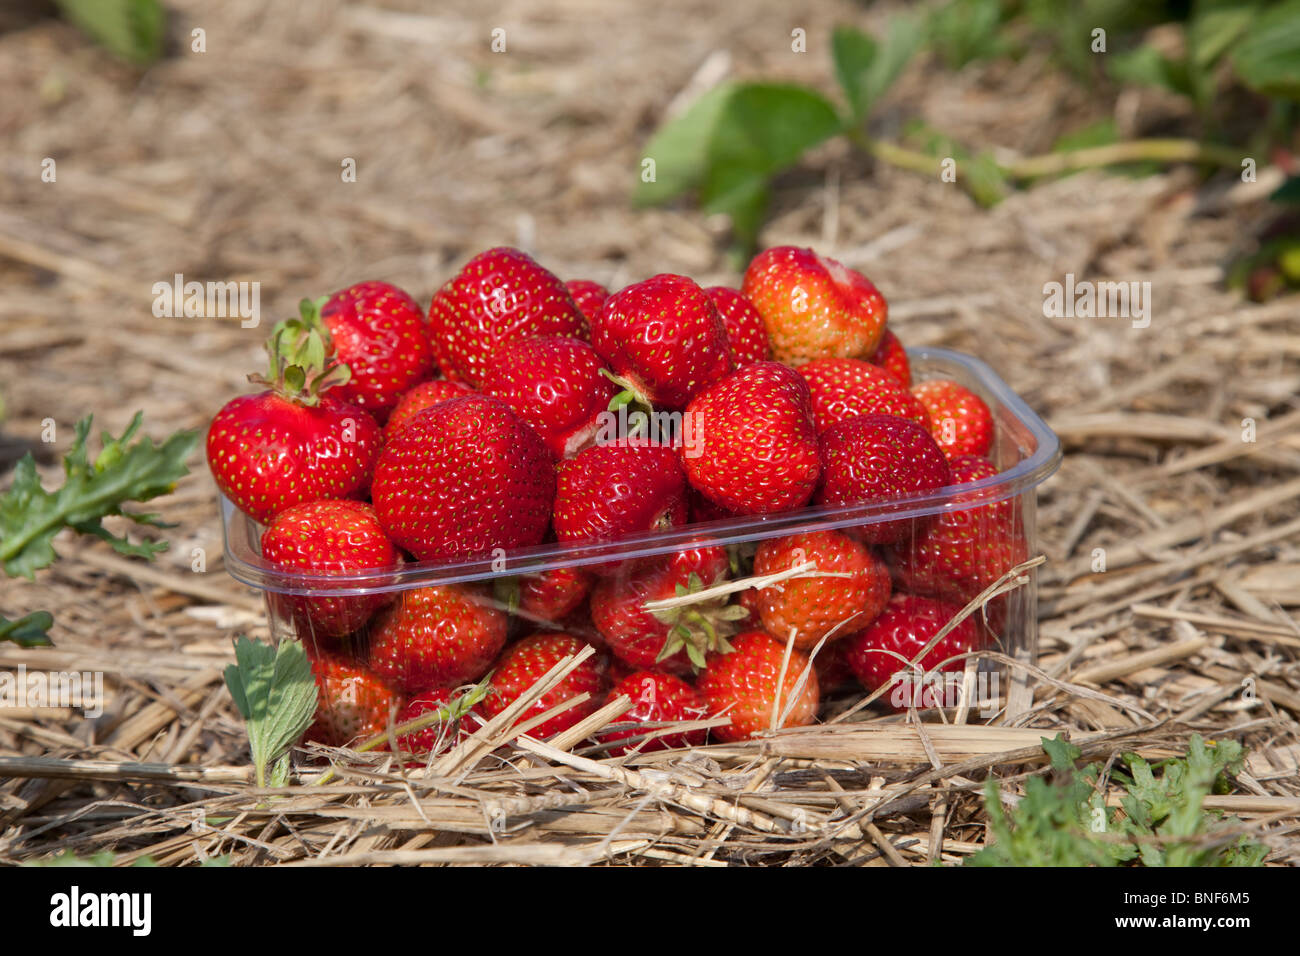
(29, 630)
(867, 69)
(965, 30)
(853, 53)
(124, 471)
(130, 29)
(1215, 25)
(680, 148)
(274, 691)
(1267, 59)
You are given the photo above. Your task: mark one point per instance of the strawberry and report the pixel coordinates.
(418, 398)
(462, 479)
(891, 356)
(328, 537)
(439, 636)
(814, 307)
(455, 723)
(656, 698)
(877, 458)
(500, 296)
(380, 333)
(673, 640)
(833, 671)
(752, 446)
(959, 420)
(609, 491)
(743, 685)
(814, 607)
(588, 296)
(527, 660)
(351, 702)
(556, 386)
(664, 340)
(846, 388)
(965, 549)
(549, 595)
(745, 329)
(905, 626)
(295, 442)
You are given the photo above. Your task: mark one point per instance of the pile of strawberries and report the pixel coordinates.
(519, 411)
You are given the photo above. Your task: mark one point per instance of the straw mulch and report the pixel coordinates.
(226, 165)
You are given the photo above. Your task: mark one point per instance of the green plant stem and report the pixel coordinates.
(1031, 167)
(1137, 150)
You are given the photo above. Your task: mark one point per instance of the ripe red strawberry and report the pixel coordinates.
(527, 660)
(814, 307)
(750, 445)
(656, 698)
(702, 509)
(674, 640)
(743, 685)
(455, 724)
(745, 329)
(846, 388)
(891, 356)
(463, 478)
(877, 458)
(609, 491)
(664, 339)
(959, 420)
(439, 636)
(500, 296)
(351, 702)
(547, 595)
(588, 296)
(556, 386)
(328, 537)
(817, 606)
(418, 398)
(832, 668)
(295, 442)
(380, 333)
(907, 625)
(963, 551)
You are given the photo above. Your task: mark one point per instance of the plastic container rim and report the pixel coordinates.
(1042, 460)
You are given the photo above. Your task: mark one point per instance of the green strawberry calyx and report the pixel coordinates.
(700, 628)
(302, 360)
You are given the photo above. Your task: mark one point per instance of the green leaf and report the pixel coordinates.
(767, 127)
(274, 691)
(1268, 57)
(966, 30)
(1215, 25)
(125, 471)
(680, 148)
(867, 69)
(1062, 753)
(853, 52)
(130, 29)
(28, 631)
(1288, 192)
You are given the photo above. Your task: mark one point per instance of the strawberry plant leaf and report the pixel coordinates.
(275, 692)
(1267, 59)
(853, 52)
(130, 29)
(125, 470)
(28, 631)
(867, 69)
(680, 148)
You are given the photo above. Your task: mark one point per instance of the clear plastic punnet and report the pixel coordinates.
(423, 630)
